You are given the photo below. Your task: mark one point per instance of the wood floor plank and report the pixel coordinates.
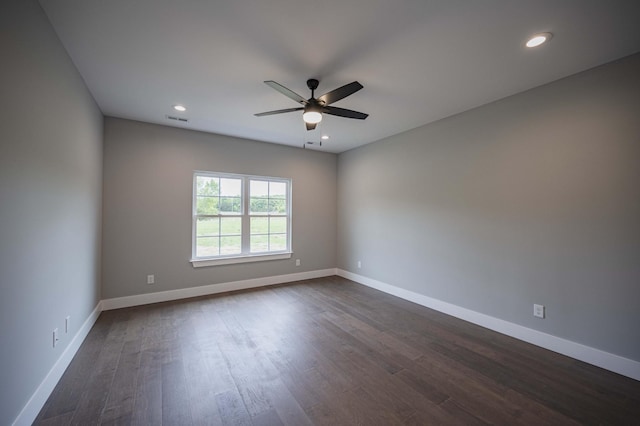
(60, 420)
(322, 352)
(446, 367)
(324, 414)
(251, 371)
(526, 381)
(361, 410)
(205, 371)
(461, 415)
(289, 411)
(267, 418)
(232, 409)
(176, 409)
(148, 399)
(122, 391)
(91, 404)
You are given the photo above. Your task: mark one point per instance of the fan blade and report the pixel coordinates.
(340, 93)
(288, 93)
(279, 111)
(311, 126)
(341, 112)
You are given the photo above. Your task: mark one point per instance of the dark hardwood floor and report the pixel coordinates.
(325, 351)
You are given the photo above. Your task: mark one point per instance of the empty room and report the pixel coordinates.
(347, 212)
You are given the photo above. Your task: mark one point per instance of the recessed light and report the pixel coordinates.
(179, 108)
(325, 137)
(538, 39)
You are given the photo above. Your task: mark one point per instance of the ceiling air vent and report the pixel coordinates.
(179, 119)
(312, 143)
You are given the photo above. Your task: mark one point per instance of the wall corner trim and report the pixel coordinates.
(205, 290)
(31, 410)
(597, 357)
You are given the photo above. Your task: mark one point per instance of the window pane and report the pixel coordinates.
(230, 187)
(259, 243)
(207, 185)
(277, 190)
(277, 206)
(207, 226)
(230, 245)
(207, 246)
(230, 226)
(230, 205)
(278, 225)
(259, 188)
(259, 205)
(277, 242)
(207, 205)
(259, 225)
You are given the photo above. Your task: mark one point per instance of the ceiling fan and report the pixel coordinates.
(314, 107)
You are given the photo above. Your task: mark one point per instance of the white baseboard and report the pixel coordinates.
(40, 396)
(597, 357)
(205, 290)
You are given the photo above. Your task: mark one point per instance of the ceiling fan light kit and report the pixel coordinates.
(312, 115)
(314, 107)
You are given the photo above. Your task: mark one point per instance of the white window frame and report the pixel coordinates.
(245, 255)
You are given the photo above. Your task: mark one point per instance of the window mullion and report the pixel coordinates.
(246, 221)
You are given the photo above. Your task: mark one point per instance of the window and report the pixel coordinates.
(240, 218)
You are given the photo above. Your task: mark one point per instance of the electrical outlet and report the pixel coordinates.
(67, 323)
(55, 337)
(359, 264)
(151, 279)
(297, 262)
(538, 311)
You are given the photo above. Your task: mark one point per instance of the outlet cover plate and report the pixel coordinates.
(538, 311)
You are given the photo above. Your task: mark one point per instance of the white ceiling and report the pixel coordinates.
(419, 60)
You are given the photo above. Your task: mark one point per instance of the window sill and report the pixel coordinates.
(199, 263)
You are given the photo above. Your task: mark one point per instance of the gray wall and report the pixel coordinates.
(50, 195)
(531, 199)
(148, 175)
